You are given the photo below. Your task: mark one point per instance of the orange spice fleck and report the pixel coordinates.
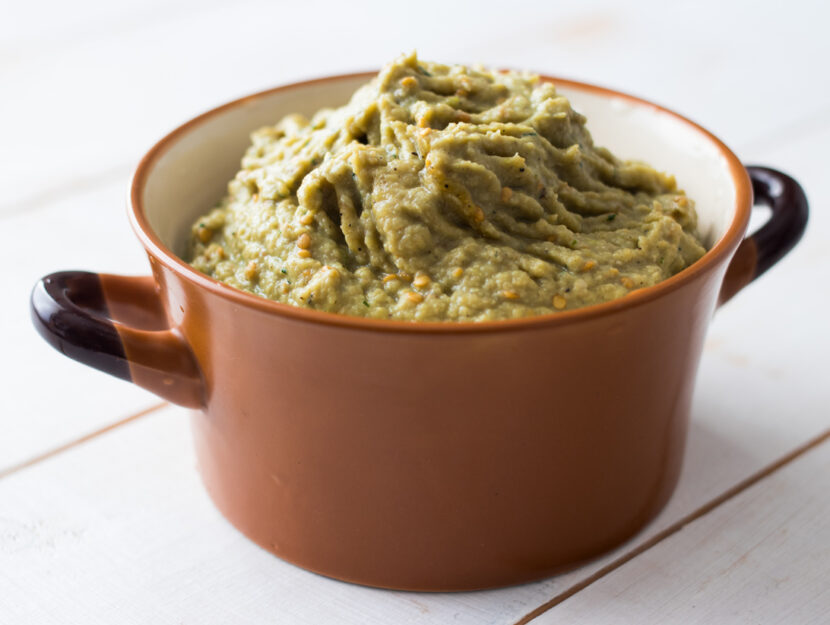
(421, 280)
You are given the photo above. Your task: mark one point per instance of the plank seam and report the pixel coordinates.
(78, 441)
(677, 526)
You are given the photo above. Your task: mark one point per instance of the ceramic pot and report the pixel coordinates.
(422, 456)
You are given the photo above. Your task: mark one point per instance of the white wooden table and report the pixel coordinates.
(102, 515)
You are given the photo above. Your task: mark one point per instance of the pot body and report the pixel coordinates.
(442, 461)
(422, 456)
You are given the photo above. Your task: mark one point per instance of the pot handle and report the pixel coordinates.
(762, 249)
(118, 324)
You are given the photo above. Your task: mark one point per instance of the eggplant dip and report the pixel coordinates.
(444, 193)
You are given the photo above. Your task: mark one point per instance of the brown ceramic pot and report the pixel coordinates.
(422, 456)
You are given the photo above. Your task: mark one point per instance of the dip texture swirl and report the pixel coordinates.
(444, 193)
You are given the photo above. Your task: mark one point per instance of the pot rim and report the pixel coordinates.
(720, 252)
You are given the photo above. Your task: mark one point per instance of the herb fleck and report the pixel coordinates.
(366, 304)
(611, 217)
(284, 270)
(423, 71)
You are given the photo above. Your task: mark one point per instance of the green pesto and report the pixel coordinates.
(444, 193)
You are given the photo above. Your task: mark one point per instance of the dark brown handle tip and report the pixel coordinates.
(761, 250)
(790, 212)
(70, 312)
(118, 325)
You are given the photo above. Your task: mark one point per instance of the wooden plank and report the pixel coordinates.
(763, 557)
